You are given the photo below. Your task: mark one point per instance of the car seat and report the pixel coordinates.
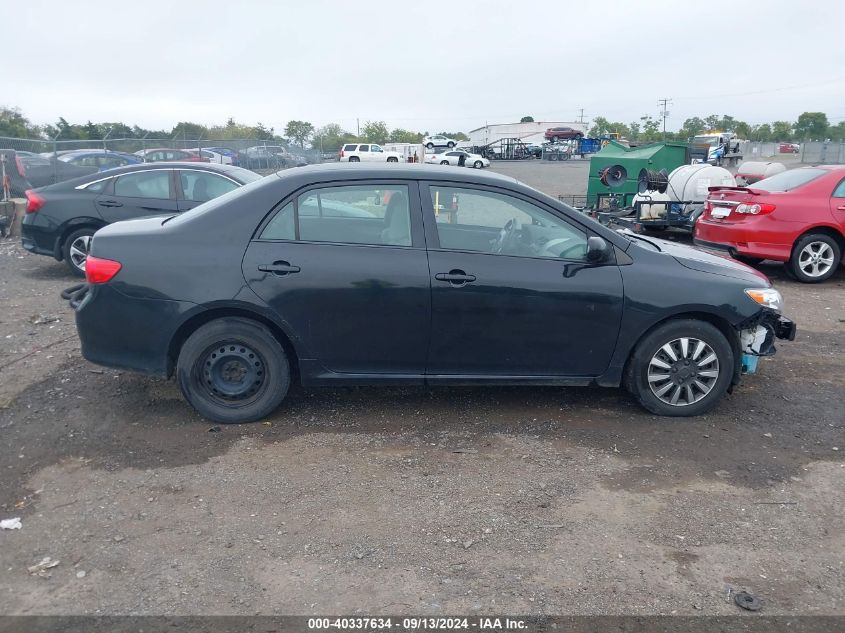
(397, 231)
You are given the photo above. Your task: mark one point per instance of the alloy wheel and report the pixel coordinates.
(683, 371)
(815, 259)
(78, 251)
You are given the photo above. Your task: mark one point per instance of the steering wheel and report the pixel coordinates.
(508, 238)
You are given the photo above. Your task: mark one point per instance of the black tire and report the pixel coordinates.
(637, 378)
(450, 145)
(478, 164)
(233, 370)
(73, 246)
(354, 159)
(444, 162)
(579, 136)
(797, 265)
(392, 159)
(430, 145)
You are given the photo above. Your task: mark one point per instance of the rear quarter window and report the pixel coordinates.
(349, 148)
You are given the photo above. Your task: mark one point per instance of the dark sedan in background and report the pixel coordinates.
(60, 219)
(373, 275)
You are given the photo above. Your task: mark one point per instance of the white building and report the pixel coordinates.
(527, 132)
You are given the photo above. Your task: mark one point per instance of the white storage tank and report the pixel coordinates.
(651, 211)
(690, 182)
(750, 171)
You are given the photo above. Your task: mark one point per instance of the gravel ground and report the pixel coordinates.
(436, 501)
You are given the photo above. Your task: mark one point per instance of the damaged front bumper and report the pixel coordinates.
(757, 337)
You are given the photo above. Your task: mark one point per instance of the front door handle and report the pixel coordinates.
(279, 268)
(842, 208)
(110, 203)
(455, 277)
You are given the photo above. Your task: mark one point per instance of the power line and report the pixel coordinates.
(665, 102)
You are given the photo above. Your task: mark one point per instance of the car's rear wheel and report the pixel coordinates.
(430, 145)
(681, 368)
(815, 258)
(76, 248)
(444, 162)
(354, 159)
(392, 159)
(478, 164)
(450, 145)
(233, 370)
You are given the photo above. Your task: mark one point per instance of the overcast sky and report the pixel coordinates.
(429, 65)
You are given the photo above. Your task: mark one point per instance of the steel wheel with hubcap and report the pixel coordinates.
(681, 368)
(233, 370)
(815, 258)
(76, 250)
(683, 371)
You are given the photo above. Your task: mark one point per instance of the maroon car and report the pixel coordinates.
(561, 133)
(162, 154)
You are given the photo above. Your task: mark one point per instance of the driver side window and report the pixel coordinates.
(488, 222)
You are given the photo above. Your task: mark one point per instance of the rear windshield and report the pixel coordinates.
(789, 180)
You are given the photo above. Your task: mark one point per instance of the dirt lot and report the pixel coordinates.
(441, 501)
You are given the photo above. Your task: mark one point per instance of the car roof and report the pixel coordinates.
(128, 169)
(410, 171)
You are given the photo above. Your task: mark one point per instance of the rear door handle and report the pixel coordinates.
(842, 208)
(110, 203)
(279, 268)
(455, 277)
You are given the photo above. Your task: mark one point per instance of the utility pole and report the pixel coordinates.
(581, 116)
(664, 103)
(358, 123)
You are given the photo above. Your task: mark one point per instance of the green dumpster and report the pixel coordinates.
(656, 156)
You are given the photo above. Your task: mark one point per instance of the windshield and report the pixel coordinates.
(789, 180)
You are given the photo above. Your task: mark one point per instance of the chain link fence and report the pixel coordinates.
(249, 153)
(811, 152)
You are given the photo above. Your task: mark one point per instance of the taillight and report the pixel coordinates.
(342, 153)
(755, 209)
(20, 166)
(99, 271)
(33, 201)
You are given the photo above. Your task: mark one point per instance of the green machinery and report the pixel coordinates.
(615, 169)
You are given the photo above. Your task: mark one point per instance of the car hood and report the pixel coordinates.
(710, 262)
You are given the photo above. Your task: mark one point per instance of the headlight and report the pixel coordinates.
(768, 297)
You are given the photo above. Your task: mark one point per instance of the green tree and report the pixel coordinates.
(14, 123)
(299, 131)
(692, 127)
(458, 136)
(837, 132)
(399, 135)
(602, 126)
(782, 131)
(811, 126)
(762, 132)
(743, 130)
(189, 131)
(375, 132)
(332, 137)
(527, 119)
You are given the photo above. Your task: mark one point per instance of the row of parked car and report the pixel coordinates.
(28, 170)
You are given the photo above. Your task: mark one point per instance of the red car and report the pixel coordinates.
(560, 133)
(789, 148)
(796, 216)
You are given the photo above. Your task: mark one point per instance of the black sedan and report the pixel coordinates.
(61, 219)
(409, 274)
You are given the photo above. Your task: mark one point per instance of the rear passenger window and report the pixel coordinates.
(364, 148)
(359, 214)
(839, 192)
(144, 184)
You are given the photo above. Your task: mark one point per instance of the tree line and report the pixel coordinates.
(330, 137)
(810, 126)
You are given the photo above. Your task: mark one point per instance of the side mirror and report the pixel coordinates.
(598, 250)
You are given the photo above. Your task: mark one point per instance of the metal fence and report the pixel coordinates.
(811, 152)
(253, 153)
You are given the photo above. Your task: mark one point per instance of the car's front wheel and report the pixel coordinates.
(450, 145)
(815, 258)
(681, 368)
(233, 370)
(354, 159)
(76, 248)
(478, 164)
(430, 145)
